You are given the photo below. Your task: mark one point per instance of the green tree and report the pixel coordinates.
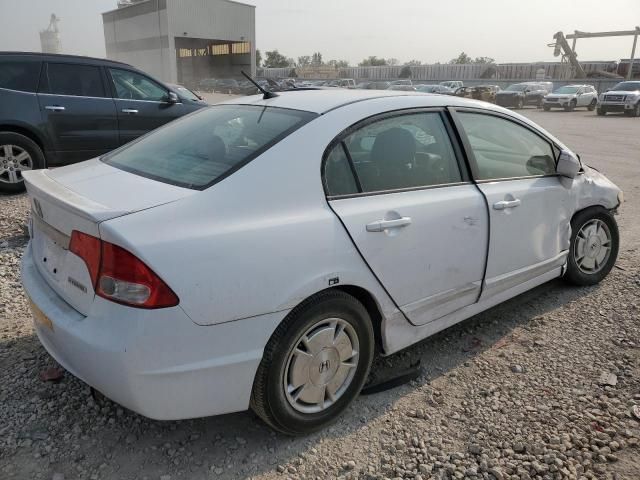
(274, 59)
(405, 72)
(461, 59)
(304, 61)
(316, 59)
(338, 63)
(372, 61)
(484, 60)
(258, 58)
(414, 63)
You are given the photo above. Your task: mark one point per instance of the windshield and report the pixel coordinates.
(627, 86)
(518, 87)
(566, 90)
(198, 149)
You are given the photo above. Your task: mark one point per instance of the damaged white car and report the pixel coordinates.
(257, 253)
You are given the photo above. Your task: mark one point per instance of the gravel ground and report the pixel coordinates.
(539, 387)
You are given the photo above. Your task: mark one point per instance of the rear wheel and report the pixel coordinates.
(592, 106)
(18, 154)
(594, 246)
(315, 364)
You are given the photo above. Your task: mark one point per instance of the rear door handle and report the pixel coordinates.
(506, 204)
(54, 108)
(129, 110)
(382, 225)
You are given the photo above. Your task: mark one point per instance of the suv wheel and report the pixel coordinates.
(570, 107)
(594, 246)
(18, 153)
(315, 364)
(635, 112)
(592, 106)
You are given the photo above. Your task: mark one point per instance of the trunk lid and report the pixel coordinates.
(80, 197)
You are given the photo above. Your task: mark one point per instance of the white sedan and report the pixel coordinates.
(257, 253)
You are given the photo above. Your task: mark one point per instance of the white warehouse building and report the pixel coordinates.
(183, 41)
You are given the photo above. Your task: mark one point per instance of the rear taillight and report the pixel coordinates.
(120, 276)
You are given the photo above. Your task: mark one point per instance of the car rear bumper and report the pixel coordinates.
(155, 362)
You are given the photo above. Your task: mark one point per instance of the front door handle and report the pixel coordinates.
(131, 111)
(382, 225)
(506, 204)
(54, 108)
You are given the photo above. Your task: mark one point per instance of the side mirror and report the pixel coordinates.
(172, 97)
(568, 164)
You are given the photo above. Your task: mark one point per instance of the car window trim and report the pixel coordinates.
(45, 77)
(473, 164)
(339, 139)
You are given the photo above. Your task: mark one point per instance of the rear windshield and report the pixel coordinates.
(202, 148)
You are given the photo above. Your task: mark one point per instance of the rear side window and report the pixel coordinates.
(199, 149)
(74, 80)
(405, 151)
(19, 75)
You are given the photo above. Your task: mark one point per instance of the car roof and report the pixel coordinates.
(322, 101)
(65, 57)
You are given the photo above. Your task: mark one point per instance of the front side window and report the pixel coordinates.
(133, 86)
(19, 75)
(405, 151)
(504, 149)
(196, 150)
(74, 79)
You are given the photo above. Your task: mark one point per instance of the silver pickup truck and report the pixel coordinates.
(623, 97)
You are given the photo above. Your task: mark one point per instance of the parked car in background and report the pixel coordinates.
(343, 83)
(402, 88)
(59, 109)
(518, 95)
(379, 85)
(441, 89)
(623, 97)
(486, 93)
(207, 84)
(226, 85)
(570, 97)
(403, 81)
(453, 84)
(151, 314)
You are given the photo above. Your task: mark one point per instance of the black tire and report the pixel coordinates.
(570, 107)
(575, 274)
(592, 106)
(268, 398)
(601, 112)
(29, 146)
(546, 108)
(635, 112)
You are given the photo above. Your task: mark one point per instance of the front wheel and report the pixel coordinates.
(594, 246)
(520, 104)
(546, 108)
(592, 106)
(18, 154)
(315, 364)
(635, 112)
(571, 106)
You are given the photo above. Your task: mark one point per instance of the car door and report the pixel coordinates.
(397, 185)
(142, 104)
(515, 168)
(78, 114)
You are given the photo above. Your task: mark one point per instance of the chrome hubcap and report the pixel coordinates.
(593, 246)
(13, 161)
(321, 365)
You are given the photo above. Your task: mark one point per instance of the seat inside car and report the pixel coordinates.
(393, 154)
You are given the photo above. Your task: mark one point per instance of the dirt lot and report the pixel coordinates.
(539, 387)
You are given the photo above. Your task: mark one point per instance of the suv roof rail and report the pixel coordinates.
(63, 55)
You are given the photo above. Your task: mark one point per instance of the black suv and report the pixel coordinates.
(60, 109)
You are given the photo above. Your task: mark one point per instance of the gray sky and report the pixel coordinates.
(427, 30)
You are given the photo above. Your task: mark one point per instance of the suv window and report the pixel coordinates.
(194, 151)
(21, 76)
(504, 149)
(405, 151)
(134, 86)
(74, 79)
